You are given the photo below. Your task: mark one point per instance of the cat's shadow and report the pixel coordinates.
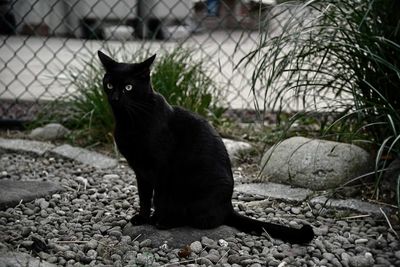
(176, 237)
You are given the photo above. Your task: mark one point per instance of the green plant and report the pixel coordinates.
(342, 58)
(180, 78)
(86, 111)
(183, 81)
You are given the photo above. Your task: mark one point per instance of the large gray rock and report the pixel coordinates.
(176, 237)
(49, 132)
(234, 148)
(85, 156)
(25, 146)
(12, 192)
(314, 164)
(18, 259)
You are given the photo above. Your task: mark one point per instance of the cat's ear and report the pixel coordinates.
(147, 63)
(108, 63)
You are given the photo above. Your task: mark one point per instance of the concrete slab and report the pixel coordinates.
(276, 191)
(85, 156)
(17, 259)
(25, 146)
(12, 192)
(350, 204)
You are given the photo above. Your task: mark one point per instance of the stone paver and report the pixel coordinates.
(26, 146)
(85, 156)
(19, 259)
(277, 191)
(176, 237)
(12, 192)
(349, 204)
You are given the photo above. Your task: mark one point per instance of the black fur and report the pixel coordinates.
(181, 164)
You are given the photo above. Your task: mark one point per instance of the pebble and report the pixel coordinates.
(42, 203)
(68, 255)
(91, 244)
(115, 233)
(205, 261)
(116, 257)
(223, 243)
(52, 259)
(25, 231)
(144, 259)
(95, 217)
(213, 257)
(295, 210)
(234, 258)
(361, 261)
(27, 243)
(111, 176)
(328, 256)
(196, 247)
(145, 243)
(29, 212)
(205, 241)
(361, 241)
(92, 254)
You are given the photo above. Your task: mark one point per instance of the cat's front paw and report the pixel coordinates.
(139, 219)
(163, 223)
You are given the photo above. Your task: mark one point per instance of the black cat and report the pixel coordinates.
(181, 164)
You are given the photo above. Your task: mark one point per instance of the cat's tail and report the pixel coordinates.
(288, 234)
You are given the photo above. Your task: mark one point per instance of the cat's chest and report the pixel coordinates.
(142, 148)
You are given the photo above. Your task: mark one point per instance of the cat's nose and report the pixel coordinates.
(115, 96)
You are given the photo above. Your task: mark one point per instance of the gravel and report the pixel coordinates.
(83, 226)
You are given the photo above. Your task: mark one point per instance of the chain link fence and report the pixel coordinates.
(41, 39)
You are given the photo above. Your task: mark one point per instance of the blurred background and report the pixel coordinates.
(41, 41)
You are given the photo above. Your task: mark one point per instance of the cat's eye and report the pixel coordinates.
(128, 87)
(109, 86)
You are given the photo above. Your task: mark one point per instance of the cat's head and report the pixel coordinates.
(124, 82)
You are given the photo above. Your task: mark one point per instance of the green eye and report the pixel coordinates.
(109, 86)
(128, 87)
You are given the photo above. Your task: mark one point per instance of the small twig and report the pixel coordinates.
(269, 237)
(205, 247)
(356, 217)
(382, 203)
(19, 204)
(308, 205)
(136, 238)
(187, 261)
(68, 187)
(71, 241)
(388, 222)
(223, 256)
(179, 262)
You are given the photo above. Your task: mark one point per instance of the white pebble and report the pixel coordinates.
(111, 176)
(196, 247)
(222, 243)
